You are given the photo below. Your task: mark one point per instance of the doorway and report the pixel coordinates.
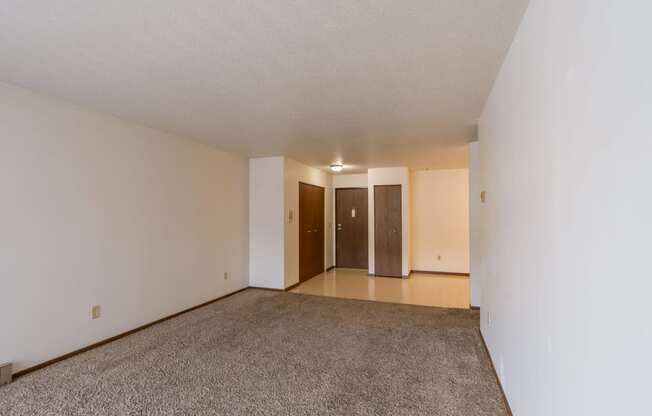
(388, 231)
(352, 236)
(311, 231)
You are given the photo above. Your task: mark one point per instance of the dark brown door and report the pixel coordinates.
(352, 237)
(311, 231)
(388, 230)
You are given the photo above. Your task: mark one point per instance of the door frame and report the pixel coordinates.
(335, 228)
(376, 234)
(298, 216)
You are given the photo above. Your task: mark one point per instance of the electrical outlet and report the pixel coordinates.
(226, 275)
(96, 312)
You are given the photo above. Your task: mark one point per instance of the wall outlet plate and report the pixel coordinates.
(96, 312)
(226, 275)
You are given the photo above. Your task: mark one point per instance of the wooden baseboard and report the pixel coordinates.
(287, 289)
(444, 273)
(271, 289)
(474, 308)
(493, 367)
(117, 337)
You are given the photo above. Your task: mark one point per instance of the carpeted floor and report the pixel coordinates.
(274, 353)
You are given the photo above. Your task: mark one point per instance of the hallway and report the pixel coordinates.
(420, 289)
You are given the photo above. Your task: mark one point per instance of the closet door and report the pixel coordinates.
(388, 230)
(311, 231)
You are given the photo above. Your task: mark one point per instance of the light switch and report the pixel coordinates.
(96, 312)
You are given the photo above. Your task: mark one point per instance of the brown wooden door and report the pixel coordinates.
(388, 230)
(311, 231)
(352, 236)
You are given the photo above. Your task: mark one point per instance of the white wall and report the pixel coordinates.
(266, 226)
(358, 180)
(566, 149)
(296, 172)
(440, 220)
(97, 211)
(391, 176)
(475, 224)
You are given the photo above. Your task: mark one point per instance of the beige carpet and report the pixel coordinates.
(274, 353)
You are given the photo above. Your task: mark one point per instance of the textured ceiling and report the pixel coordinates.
(373, 82)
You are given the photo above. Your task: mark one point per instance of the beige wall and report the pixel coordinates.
(475, 224)
(357, 180)
(266, 225)
(440, 220)
(99, 211)
(296, 172)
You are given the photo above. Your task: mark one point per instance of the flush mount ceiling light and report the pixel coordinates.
(337, 167)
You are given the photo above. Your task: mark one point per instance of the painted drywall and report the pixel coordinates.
(391, 176)
(360, 180)
(98, 211)
(296, 172)
(266, 227)
(440, 220)
(566, 145)
(475, 224)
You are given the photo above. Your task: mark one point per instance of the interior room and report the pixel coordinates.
(325, 208)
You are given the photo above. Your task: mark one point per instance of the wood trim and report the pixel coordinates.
(116, 337)
(287, 289)
(474, 308)
(312, 184)
(444, 273)
(388, 277)
(493, 367)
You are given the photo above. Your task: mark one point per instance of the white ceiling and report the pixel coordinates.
(374, 82)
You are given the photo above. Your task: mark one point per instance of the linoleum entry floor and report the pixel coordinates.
(419, 289)
(275, 353)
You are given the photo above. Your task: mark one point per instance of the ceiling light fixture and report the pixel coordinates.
(337, 167)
